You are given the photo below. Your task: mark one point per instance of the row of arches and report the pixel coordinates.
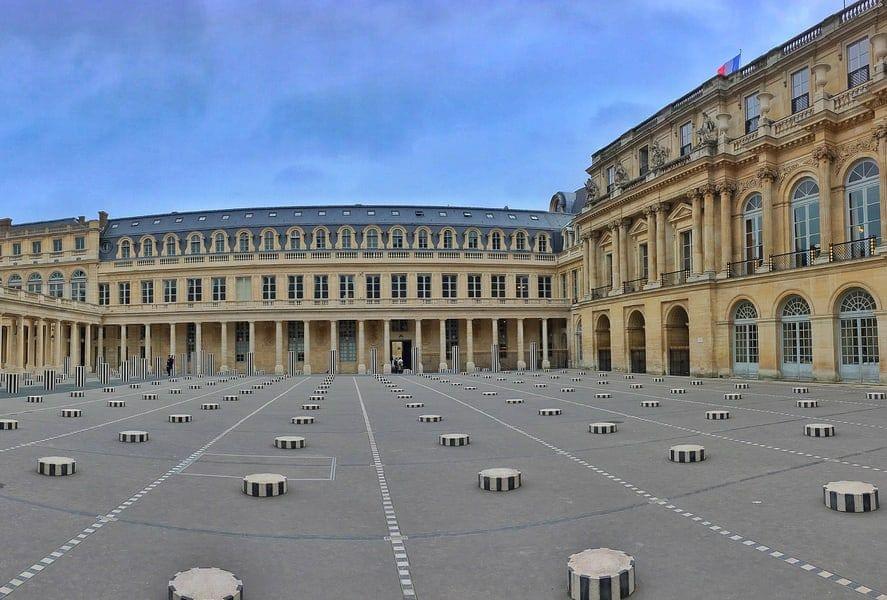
(322, 238)
(677, 341)
(857, 337)
(55, 285)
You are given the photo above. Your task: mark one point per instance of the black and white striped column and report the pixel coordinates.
(56, 466)
(494, 358)
(104, 373)
(13, 381)
(533, 366)
(250, 363)
(600, 574)
(455, 364)
(66, 366)
(264, 485)
(850, 496)
(124, 371)
(819, 430)
(49, 380)
(79, 376)
(291, 362)
(454, 439)
(499, 479)
(334, 361)
(416, 359)
(686, 453)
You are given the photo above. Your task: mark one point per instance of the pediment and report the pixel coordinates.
(680, 212)
(639, 227)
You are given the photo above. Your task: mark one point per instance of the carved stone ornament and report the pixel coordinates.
(620, 175)
(591, 189)
(726, 187)
(852, 149)
(767, 172)
(824, 152)
(658, 155)
(707, 132)
(705, 189)
(880, 131)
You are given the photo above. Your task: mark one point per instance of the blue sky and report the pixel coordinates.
(139, 107)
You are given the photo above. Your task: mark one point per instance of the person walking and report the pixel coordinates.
(169, 365)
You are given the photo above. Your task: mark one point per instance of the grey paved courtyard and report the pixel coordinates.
(748, 522)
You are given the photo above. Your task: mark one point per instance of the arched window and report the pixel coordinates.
(752, 218)
(520, 241)
(496, 241)
(147, 248)
(745, 339)
(397, 239)
(295, 239)
(346, 239)
(543, 243)
(372, 239)
(448, 239)
(219, 243)
(35, 283)
(268, 241)
(320, 239)
(797, 338)
(195, 245)
(78, 286)
(859, 336)
(805, 220)
(473, 240)
(422, 239)
(863, 193)
(15, 282)
(125, 249)
(56, 285)
(171, 246)
(243, 242)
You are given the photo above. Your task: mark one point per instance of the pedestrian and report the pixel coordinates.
(169, 364)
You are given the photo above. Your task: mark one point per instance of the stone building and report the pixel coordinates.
(739, 231)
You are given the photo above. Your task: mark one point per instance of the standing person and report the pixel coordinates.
(169, 365)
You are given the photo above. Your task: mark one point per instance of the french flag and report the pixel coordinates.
(730, 66)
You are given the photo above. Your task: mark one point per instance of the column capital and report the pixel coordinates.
(706, 189)
(880, 131)
(726, 188)
(767, 173)
(824, 153)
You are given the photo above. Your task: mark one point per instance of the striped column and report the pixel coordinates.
(494, 358)
(182, 364)
(48, 379)
(159, 367)
(291, 362)
(374, 362)
(415, 359)
(12, 383)
(124, 372)
(79, 376)
(250, 363)
(66, 366)
(455, 366)
(104, 373)
(209, 364)
(334, 361)
(533, 366)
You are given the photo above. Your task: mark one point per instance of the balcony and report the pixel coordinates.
(633, 285)
(852, 250)
(601, 292)
(793, 260)
(743, 268)
(674, 278)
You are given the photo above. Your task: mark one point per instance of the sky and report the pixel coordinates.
(163, 105)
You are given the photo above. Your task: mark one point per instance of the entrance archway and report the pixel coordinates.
(858, 331)
(637, 343)
(602, 339)
(677, 335)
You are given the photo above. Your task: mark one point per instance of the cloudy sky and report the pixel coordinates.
(139, 107)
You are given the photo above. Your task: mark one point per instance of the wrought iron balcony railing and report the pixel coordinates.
(793, 260)
(852, 250)
(742, 268)
(675, 277)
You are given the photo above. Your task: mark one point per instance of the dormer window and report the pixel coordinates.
(201, 218)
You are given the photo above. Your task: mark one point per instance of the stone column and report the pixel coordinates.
(442, 365)
(697, 234)
(40, 344)
(1, 341)
(586, 252)
(386, 343)
(726, 192)
(546, 364)
(420, 368)
(361, 354)
(469, 345)
(767, 175)
(148, 350)
(592, 260)
(623, 251)
(87, 346)
(32, 343)
(662, 251)
(223, 342)
(616, 283)
(708, 235)
(123, 350)
(652, 248)
(198, 347)
(521, 362)
(278, 341)
(824, 155)
(306, 364)
(880, 134)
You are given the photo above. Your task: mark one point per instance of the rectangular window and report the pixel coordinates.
(123, 292)
(147, 292)
(195, 289)
(243, 287)
(522, 286)
(474, 286)
(219, 289)
(373, 287)
(346, 287)
(497, 286)
(399, 285)
(643, 262)
(57, 245)
(800, 90)
(858, 62)
(563, 285)
(752, 112)
(295, 287)
(296, 339)
(686, 250)
(686, 138)
(574, 284)
(170, 290)
(321, 287)
(448, 286)
(104, 294)
(79, 243)
(36, 247)
(347, 341)
(269, 287)
(643, 161)
(544, 285)
(220, 244)
(241, 341)
(611, 179)
(608, 267)
(451, 334)
(423, 285)
(16, 249)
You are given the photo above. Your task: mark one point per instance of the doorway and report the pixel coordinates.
(403, 350)
(678, 337)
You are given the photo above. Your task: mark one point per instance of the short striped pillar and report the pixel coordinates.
(455, 365)
(850, 496)
(290, 442)
(79, 376)
(550, 412)
(532, 365)
(717, 415)
(250, 363)
(49, 380)
(602, 427)
(494, 358)
(454, 439)
(124, 372)
(13, 381)
(686, 453)
(334, 361)
(808, 403)
(104, 373)
(819, 430)
(159, 366)
(56, 466)
(132, 437)
(499, 479)
(66, 366)
(600, 574)
(291, 362)
(264, 485)
(650, 403)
